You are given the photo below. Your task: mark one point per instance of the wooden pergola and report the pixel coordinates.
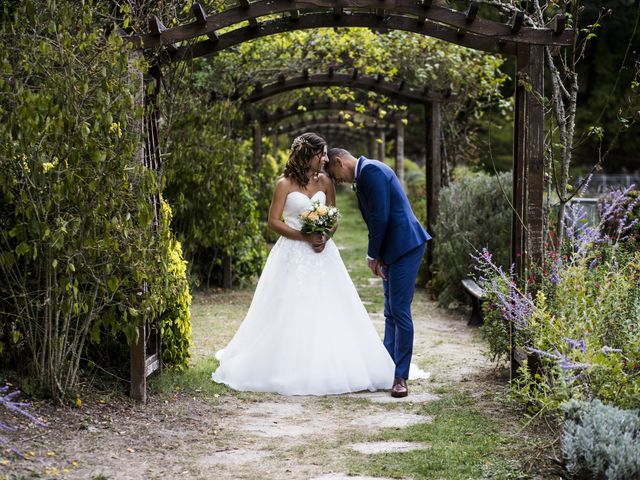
(431, 101)
(208, 34)
(271, 124)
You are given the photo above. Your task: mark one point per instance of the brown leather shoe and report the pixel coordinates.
(399, 388)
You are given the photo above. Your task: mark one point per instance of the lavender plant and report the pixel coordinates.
(583, 322)
(8, 402)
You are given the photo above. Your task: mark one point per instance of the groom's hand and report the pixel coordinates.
(376, 268)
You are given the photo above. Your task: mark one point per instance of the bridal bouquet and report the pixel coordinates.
(319, 218)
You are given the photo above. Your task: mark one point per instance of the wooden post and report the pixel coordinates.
(373, 145)
(138, 367)
(518, 216)
(257, 145)
(527, 223)
(433, 174)
(400, 149)
(535, 164)
(382, 145)
(138, 386)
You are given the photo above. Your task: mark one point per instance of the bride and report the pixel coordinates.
(306, 331)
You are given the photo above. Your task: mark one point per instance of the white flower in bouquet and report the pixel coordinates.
(319, 218)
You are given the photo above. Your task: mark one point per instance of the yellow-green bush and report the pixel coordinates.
(175, 322)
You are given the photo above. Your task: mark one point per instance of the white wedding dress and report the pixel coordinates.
(306, 331)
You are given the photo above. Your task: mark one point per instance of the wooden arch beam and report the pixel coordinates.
(329, 129)
(422, 12)
(301, 108)
(327, 20)
(327, 120)
(405, 94)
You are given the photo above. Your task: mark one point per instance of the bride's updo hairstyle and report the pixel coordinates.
(302, 151)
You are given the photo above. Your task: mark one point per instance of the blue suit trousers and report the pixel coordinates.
(399, 288)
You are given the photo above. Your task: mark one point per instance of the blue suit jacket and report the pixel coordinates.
(393, 227)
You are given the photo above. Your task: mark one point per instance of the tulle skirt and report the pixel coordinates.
(306, 331)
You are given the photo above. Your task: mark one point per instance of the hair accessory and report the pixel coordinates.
(298, 142)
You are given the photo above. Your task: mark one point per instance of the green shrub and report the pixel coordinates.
(474, 214)
(175, 321)
(600, 441)
(81, 264)
(218, 198)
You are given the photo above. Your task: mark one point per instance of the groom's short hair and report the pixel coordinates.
(336, 152)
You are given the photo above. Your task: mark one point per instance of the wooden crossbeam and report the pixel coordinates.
(472, 12)
(294, 15)
(444, 18)
(334, 121)
(305, 74)
(331, 71)
(516, 22)
(313, 21)
(337, 11)
(558, 24)
(294, 110)
(198, 11)
(157, 28)
(377, 84)
(354, 74)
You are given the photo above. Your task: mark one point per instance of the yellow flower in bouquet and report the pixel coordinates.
(319, 218)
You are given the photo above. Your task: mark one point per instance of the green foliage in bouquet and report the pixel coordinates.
(80, 260)
(600, 441)
(474, 214)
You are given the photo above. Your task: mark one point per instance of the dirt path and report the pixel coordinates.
(252, 436)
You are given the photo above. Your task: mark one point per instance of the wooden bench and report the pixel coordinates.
(477, 294)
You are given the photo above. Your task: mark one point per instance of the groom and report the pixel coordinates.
(396, 246)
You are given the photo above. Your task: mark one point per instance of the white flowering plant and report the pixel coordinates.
(319, 218)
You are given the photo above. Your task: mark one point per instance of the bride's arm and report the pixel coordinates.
(275, 214)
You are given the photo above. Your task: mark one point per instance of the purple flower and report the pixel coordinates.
(7, 401)
(566, 364)
(544, 353)
(607, 350)
(576, 344)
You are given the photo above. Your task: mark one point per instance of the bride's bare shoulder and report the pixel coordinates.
(284, 183)
(325, 180)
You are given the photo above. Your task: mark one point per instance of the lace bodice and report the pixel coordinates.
(296, 203)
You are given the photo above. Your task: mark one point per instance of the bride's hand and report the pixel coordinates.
(316, 240)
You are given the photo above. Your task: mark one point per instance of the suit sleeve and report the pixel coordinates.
(376, 192)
